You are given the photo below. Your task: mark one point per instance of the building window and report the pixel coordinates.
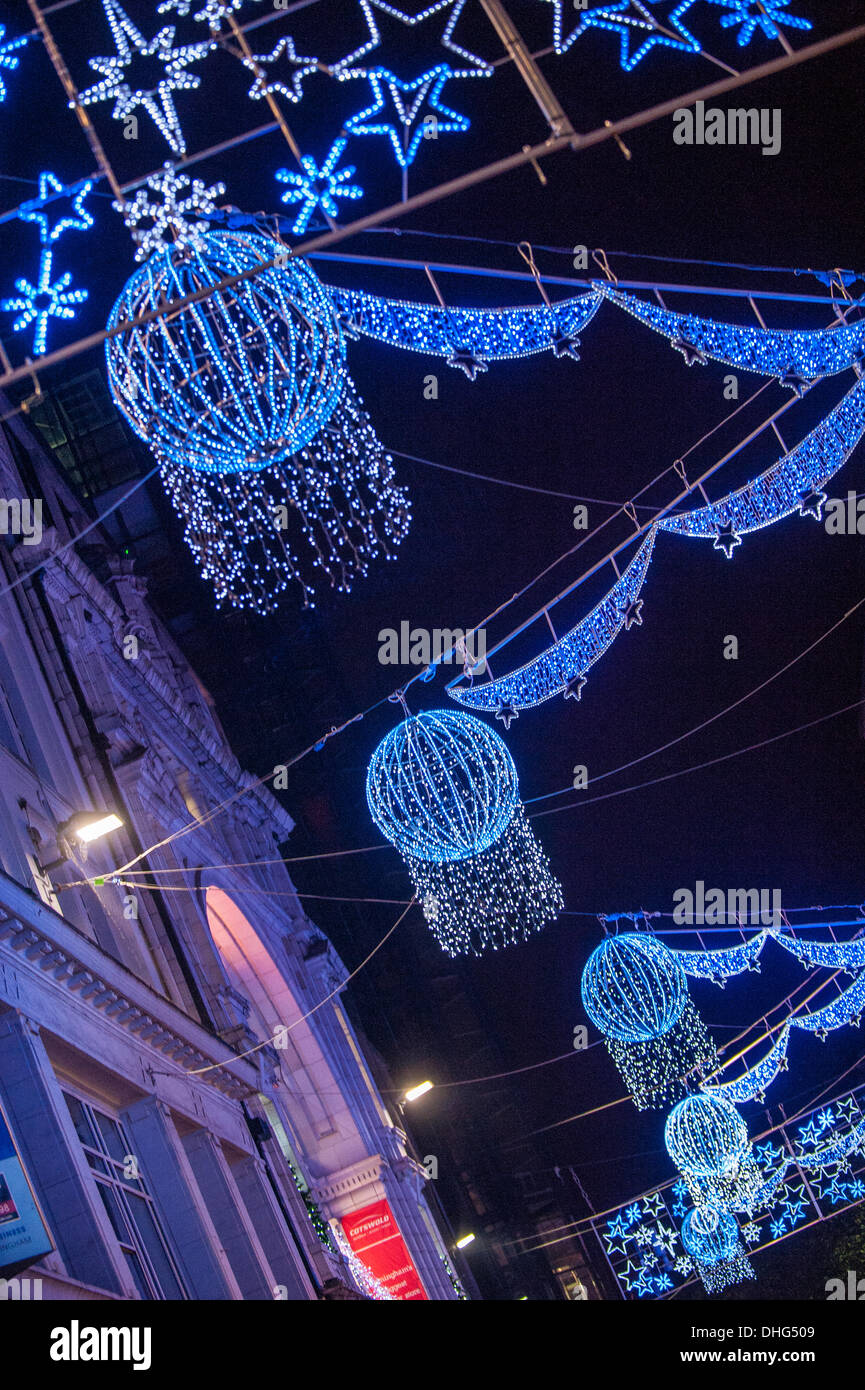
(129, 1205)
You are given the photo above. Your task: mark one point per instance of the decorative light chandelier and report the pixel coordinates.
(707, 1139)
(711, 1238)
(636, 993)
(442, 787)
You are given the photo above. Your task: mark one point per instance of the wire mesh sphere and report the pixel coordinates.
(239, 380)
(442, 786)
(710, 1236)
(706, 1136)
(633, 988)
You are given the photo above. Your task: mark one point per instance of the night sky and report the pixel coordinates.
(787, 816)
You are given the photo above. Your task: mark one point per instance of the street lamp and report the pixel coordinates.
(464, 1241)
(417, 1091)
(79, 831)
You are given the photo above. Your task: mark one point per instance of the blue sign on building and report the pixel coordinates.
(23, 1236)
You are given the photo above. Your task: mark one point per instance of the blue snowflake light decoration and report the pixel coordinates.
(157, 101)
(238, 381)
(40, 303)
(637, 995)
(9, 60)
(751, 15)
(442, 787)
(319, 188)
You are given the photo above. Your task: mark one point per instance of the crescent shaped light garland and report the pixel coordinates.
(794, 483)
(795, 356)
(832, 955)
(563, 667)
(846, 1008)
(481, 335)
(723, 964)
(755, 1082)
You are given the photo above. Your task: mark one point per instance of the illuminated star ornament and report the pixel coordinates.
(173, 220)
(282, 70)
(50, 191)
(157, 101)
(43, 301)
(318, 187)
(763, 14)
(9, 50)
(407, 107)
(638, 30)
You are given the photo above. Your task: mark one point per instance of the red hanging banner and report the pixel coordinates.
(375, 1238)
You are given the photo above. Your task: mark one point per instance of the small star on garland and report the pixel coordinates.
(726, 539)
(173, 220)
(574, 688)
(467, 362)
(632, 614)
(507, 714)
(692, 355)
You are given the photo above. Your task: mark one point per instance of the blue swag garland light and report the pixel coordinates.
(636, 994)
(721, 965)
(794, 483)
(711, 1238)
(442, 788)
(561, 669)
(467, 336)
(757, 1079)
(795, 356)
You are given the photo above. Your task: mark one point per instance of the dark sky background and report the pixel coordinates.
(788, 816)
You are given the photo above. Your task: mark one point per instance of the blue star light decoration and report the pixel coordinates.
(157, 101)
(316, 187)
(173, 220)
(38, 304)
(9, 50)
(406, 109)
(752, 15)
(52, 190)
(638, 30)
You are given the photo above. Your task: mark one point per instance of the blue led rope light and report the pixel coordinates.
(833, 955)
(753, 15)
(318, 188)
(756, 1081)
(158, 102)
(633, 989)
(51, 190)
(637, 29)
(794, 356)
(240, 380)
(723, 964)
(793, 484)
(9, 60)
(488, 334)
(561, 669)
(442, 786)
(471, 65)
(40, 303)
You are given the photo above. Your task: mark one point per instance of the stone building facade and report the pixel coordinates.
(188, 1099)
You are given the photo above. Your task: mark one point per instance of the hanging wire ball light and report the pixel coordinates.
(636, 993)
(239, 380)
(711, 1238)
(324, 514)
(706, 1136)
(707, 1139)
(442, 787)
